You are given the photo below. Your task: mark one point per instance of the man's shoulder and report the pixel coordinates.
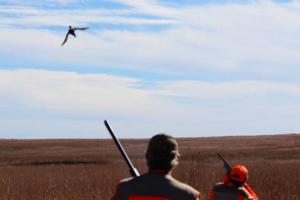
(125, 185)
(183, 186)
(126, 180)
(132, 180)
(219, 186)
(223, 188)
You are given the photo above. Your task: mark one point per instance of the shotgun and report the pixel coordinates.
(133, 171)
(226, 165)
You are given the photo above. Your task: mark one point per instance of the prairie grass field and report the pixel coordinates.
(90, 169)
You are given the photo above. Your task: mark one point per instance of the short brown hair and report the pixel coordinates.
(162, 152)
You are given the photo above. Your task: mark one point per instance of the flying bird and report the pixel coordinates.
(72, 32)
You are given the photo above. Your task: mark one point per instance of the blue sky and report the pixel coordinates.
(189, 68)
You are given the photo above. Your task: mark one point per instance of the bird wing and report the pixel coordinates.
(81, 28)
(66, 38)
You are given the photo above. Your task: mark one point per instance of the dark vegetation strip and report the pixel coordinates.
(59, 162)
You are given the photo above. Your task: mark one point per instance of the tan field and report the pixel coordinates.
(90, 169)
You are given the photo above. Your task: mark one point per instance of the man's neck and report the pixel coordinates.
(161, 171)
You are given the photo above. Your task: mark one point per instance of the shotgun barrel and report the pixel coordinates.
(133, 171)
(226, 165)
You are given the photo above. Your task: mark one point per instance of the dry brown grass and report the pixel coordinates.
(90, 169)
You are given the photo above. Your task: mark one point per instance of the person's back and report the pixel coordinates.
(223, 191)
(158, 183)
(155, 186)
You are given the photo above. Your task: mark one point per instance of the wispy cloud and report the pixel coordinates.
(37, 17)
(201, 39)
(55, 96)
(233, 90)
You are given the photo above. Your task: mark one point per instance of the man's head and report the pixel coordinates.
(162, 152)
(239, 174)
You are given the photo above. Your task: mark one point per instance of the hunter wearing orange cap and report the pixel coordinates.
(234, 186)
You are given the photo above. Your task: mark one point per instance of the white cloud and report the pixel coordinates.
(20, 2)
(244, 39)
(32, 16)
(152, 7)
(48, 98)
(225, 90)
